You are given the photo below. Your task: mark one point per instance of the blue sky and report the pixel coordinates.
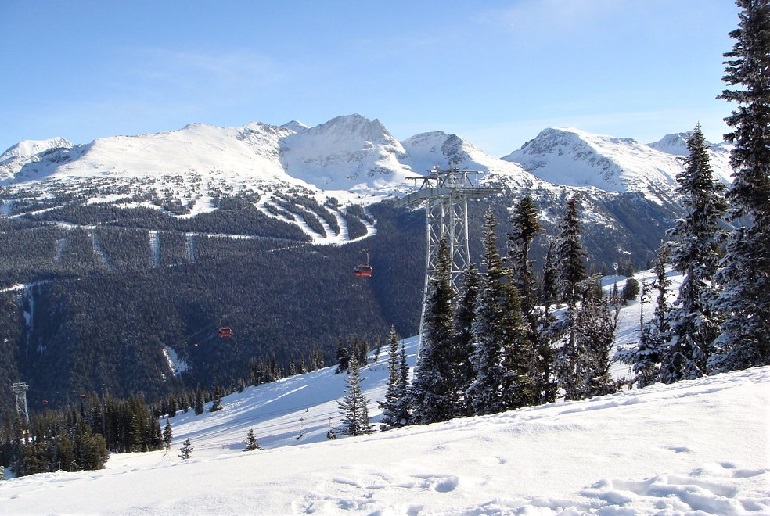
(494, 72)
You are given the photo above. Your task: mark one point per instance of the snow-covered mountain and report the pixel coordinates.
(426, 150)
(346, 154)
(347, 160)
(569, 156)
(719, 153)
(347, 157)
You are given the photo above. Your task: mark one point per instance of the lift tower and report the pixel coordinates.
(445, 194)
(20, 390)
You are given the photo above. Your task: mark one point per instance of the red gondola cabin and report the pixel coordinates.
(225, 332)
(363, 271)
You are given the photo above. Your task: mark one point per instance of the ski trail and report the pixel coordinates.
(189, 245)
(154, 249)
(61, 246)
(99, 251)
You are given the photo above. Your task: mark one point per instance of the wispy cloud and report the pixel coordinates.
(208, 75)
(532, 17)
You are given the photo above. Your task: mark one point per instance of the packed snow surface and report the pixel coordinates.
(696, 447)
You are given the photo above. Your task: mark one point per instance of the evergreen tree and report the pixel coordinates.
(570, 255)
(550, 278)
(343, 357)
(597, 321)
(465, 314)
(630, 290)
(544, 371)
(198, 401)
(403, 408)
(186, 449)
(167, 436)
(355, 414)
(694, 247)
(525, 228)
(502, 351)
(661, 284)
(432, 394)
(518, 387)
(745, 270)
(392, 415)
(251, 441)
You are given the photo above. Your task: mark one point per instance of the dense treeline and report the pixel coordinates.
(495, 345)
(79, 437)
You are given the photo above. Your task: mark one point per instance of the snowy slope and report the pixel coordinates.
(573, 157)
(345, 153)
(696, 447)
(438, 149)
(719, 153)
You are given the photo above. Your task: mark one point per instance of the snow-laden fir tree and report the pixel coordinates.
(395, 406)
(550, 289)
(694, 249)
(660, 328)
(570, 257)
(432, 393)
(167, 436)
(355, 414)
(502, 351)
(745, 270)
(518, 388)
(597, 320)
(251, 441)
(186, 449)
(465, 314)
(403, 409)
(538, 319)
(525, 227)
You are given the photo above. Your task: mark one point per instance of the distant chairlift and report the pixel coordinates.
(363, 270)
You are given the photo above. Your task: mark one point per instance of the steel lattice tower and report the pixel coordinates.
(444, 195)
(20, 390)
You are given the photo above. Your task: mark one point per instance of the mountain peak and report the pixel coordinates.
(296, 126)
(349, 152)
(357, 127)
(675, 144)
(572, 157)
(29, 148)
